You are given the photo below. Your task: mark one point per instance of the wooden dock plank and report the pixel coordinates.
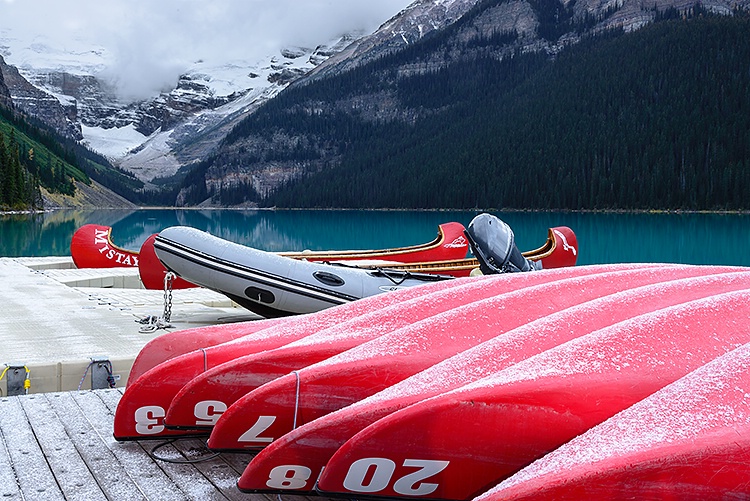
(71, 472)
(59, 446)
(28, 464)
(186, 479)
(115, 483)
(9, 489)
(149, 477)
(219, 472)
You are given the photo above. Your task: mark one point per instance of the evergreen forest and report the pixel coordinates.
(658, 118)
(33, 156)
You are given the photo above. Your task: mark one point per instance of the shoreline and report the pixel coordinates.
(344, 209)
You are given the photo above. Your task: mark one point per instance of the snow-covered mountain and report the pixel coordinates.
(68, 88)
(71, 86)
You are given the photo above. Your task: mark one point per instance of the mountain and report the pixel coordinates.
(430, 124)
(67, 89)
(371, 109)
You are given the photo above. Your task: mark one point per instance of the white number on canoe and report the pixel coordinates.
(208, 412)
(380, 472)
(261, 425)
(147, 420)
(412, 485)
(289, 477)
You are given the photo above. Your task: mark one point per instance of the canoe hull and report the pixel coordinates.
(388, 359)
(487, 431)
(309, 447)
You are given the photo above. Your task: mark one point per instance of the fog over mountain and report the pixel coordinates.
(157, 85)
(141, 46)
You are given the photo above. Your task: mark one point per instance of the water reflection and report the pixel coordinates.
(603, 238)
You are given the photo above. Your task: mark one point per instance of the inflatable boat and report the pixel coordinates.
(305, 450)
(466, 441)
(273, 285)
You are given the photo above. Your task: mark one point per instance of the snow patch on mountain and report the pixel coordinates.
(180, 122)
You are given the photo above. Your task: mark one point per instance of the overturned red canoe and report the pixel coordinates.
(175, 343)
(92, 247)
(224, 384)
(279, 406)
(293, 462)
(690, 440)
(142, 407)
(462, 443)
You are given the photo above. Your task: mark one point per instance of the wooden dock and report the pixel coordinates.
(59, 446)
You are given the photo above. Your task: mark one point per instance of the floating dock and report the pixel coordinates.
(58, 320)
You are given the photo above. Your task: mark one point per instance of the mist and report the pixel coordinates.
(142, 46)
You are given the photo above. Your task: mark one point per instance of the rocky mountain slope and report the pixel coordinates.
(267, 157)
(156, 136)
(208, 116)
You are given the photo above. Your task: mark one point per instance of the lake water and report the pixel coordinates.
(602, 238)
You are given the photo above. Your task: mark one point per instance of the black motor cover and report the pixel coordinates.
(493, 244)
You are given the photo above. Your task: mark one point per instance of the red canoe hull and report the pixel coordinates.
(173, 344)
(148, 396)
(384, 361)
(689, 441)
(468, 440)
(227, 383)
(303, 452)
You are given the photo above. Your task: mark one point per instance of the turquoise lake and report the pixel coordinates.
(602, 237)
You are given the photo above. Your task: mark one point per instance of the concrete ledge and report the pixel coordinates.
(68, 376)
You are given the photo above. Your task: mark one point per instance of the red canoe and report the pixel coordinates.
(299, 456)
(450, 246)
(560, 250)
(175, 343)
(92, 247)
(690, 440)
(142, 407)
(311, 392)
(223, 385)
(462, 443)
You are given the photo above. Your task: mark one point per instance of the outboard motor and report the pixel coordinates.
(493, 244)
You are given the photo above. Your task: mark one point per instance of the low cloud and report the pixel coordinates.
(149, 43)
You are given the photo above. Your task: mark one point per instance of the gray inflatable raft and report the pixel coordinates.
(268, 284)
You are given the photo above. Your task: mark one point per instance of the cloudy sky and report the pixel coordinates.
(143, 44)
